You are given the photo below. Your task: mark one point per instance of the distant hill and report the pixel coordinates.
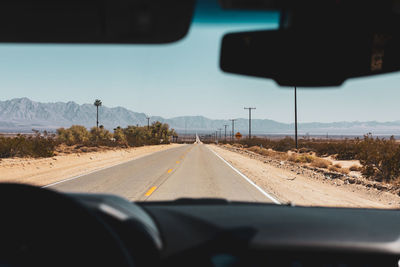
(23, 114)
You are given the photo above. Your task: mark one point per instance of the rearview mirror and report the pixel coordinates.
(93, 21)
(309, 59)
(318, 43)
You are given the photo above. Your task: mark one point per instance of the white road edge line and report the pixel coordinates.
(247, 179)
(83, 174)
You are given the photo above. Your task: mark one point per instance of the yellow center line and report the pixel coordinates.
(151, 190)
(170, 170)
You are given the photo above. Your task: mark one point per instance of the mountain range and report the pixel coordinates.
(23, 115)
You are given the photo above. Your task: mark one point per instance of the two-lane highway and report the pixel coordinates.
(192, 171)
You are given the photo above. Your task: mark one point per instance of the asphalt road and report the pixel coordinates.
(192, 171)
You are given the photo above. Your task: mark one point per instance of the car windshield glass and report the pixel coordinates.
(163, 122)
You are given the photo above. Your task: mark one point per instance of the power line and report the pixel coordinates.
(249, 120)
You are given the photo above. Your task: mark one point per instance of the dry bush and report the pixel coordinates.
(321, 163)
(254, 149)
(305, 150)
(304, 158)
(269, 153)
(281, 156)
(334, 168)
(380, 158)
(76, 134)
(341, 149)
(292, 157)
(22, 146)
(355, 168)
(237, 145)
(344, 170)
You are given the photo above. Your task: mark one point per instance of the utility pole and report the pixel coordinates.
(249, 120)
(295, 115)
(148, 122)
(185, 130)
(225, 125)
(233, 128)
(216, 135)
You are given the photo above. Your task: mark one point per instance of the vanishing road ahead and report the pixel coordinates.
(192, 171)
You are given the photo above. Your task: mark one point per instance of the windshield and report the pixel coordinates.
(163, 122)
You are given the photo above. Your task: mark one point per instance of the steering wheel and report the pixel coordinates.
(39, 227)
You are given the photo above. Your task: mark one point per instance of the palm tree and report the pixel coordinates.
(97, 103)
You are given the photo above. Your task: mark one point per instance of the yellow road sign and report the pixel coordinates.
(238, 135)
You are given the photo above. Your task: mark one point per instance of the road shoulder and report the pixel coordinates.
(298, 189)
(44, 171)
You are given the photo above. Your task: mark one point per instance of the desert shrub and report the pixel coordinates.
(157, 133)
(100, 136)
(284, 144)
(120, 137)
(321, 163)
(255, 149)
(275, 154)
(23, 146)
(303, 158)
(45, 145)
(136, 136)
(338, 169)
(76, 134)
(342, 150)
(280, 155)
(269, 153)
(334, 168)
(292, 157)
(355, 168)
(305, 150)
(380, 158)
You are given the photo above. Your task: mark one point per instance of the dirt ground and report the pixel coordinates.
(45, 171)
(296, 187)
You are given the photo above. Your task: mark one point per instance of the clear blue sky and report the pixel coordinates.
(183, 79)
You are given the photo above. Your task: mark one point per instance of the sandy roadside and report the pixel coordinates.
(45, 171)
(299, 189)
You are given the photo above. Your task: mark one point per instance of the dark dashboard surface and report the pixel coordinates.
(273, 226)
(218, 233)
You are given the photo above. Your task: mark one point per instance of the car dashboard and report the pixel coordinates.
(207, 232)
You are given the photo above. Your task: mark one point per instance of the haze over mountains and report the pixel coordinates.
(23, 115)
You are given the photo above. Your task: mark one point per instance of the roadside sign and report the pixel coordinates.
(238, 135)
